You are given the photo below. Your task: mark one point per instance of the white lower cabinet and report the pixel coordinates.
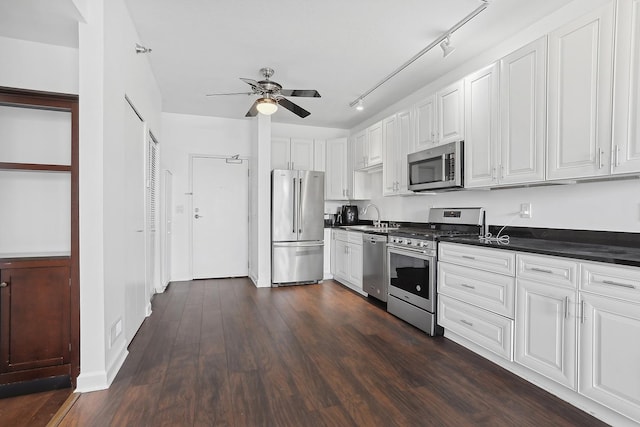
(482, 327)
(576, 329)
(346, 257)
(610, 353)
(546, 330)
(476, 295)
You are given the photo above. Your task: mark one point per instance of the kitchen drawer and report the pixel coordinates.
(494, 260)
(610, 280)
(491, 291)
(340, 235)
(354, 237)
(486, 329)
(548, 269)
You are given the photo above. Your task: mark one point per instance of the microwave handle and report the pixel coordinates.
(444, 168)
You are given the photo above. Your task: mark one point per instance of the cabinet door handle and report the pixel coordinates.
(468, 257)
(541, 270)
(493, 174)
(4, 285)
(600, 156)
(502, 171)
(622, 285)
(464, 285)
(466, 322)
(566, 307)
(617, 155)
(582, 311)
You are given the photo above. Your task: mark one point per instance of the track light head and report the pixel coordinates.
(360, 105)
(142, 49)
(446, 47)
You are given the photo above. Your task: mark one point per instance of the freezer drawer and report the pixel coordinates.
(297, 262)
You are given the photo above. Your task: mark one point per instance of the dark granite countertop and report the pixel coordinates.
(599, 252)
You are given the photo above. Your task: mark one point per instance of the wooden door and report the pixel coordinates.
(280, 153)
(35, 307)
(404, 139)
(336, 173)
(374, 144)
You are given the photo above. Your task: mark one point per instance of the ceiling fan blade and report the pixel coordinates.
(254, 84)
(300, 92)
(253, 111)
(232, 93)
(295, 109)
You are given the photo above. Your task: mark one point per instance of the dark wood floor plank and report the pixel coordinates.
(224, 353)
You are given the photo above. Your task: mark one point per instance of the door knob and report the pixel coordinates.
(196, 216)
(4, 285)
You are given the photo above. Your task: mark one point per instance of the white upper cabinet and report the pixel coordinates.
(367, 149)
(450, 102)
(626, 98)
(425, 123)
(319, 155)
(580, 96)
(482, 162)
(292, 153)
(359, 150)
(280, 153)
(374, 144)
(505, 120)
(397, 138)
(440, 117)
(389, 166)
(336, 182)
(523, 114)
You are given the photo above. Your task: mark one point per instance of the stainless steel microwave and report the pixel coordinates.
(436, 168)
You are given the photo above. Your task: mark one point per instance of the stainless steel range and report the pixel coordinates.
(412, 264)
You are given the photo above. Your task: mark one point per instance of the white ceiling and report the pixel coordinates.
(341, 48)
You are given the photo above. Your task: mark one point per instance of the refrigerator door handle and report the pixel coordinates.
(295, 210)
(299, 205)
(298, 244)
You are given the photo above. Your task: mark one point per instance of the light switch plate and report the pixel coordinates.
(525, 210)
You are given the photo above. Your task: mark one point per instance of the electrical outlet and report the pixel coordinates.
(525, 210)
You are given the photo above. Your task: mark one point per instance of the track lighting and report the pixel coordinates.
(142, 49)
(360, 105)
(446, 47)
(444, 42)
(267, 106)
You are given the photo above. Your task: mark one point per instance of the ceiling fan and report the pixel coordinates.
(271, 95)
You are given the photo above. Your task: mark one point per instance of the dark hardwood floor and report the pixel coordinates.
(224, 353)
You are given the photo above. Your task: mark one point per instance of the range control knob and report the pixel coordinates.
(408, 242)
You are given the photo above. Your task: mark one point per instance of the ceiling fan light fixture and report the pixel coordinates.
(446, 47)
(267, 106)
(360, 105)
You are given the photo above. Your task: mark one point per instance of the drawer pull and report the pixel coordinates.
(466, 322)
(622, 285)
(541, 270)
(464, 285)
(468, 257)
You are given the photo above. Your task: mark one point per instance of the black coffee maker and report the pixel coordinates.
(349, 214)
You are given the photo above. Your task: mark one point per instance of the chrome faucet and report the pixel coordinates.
(371, 205)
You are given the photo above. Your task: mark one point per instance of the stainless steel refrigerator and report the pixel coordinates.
(297, 226)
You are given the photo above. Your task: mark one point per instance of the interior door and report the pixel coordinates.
(220, 217)
(135, 267)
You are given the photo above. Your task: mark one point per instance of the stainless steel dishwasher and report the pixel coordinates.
(373, 269)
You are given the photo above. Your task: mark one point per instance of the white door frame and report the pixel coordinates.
(190, 194)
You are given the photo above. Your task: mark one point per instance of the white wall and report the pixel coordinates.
(285, 130)
(109, 70)
(185, 135)
(612, 206)
(607, 206)
(38, 66)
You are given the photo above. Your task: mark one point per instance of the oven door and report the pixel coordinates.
(412, 277)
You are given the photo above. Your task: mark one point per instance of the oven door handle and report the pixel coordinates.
(444, 167)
